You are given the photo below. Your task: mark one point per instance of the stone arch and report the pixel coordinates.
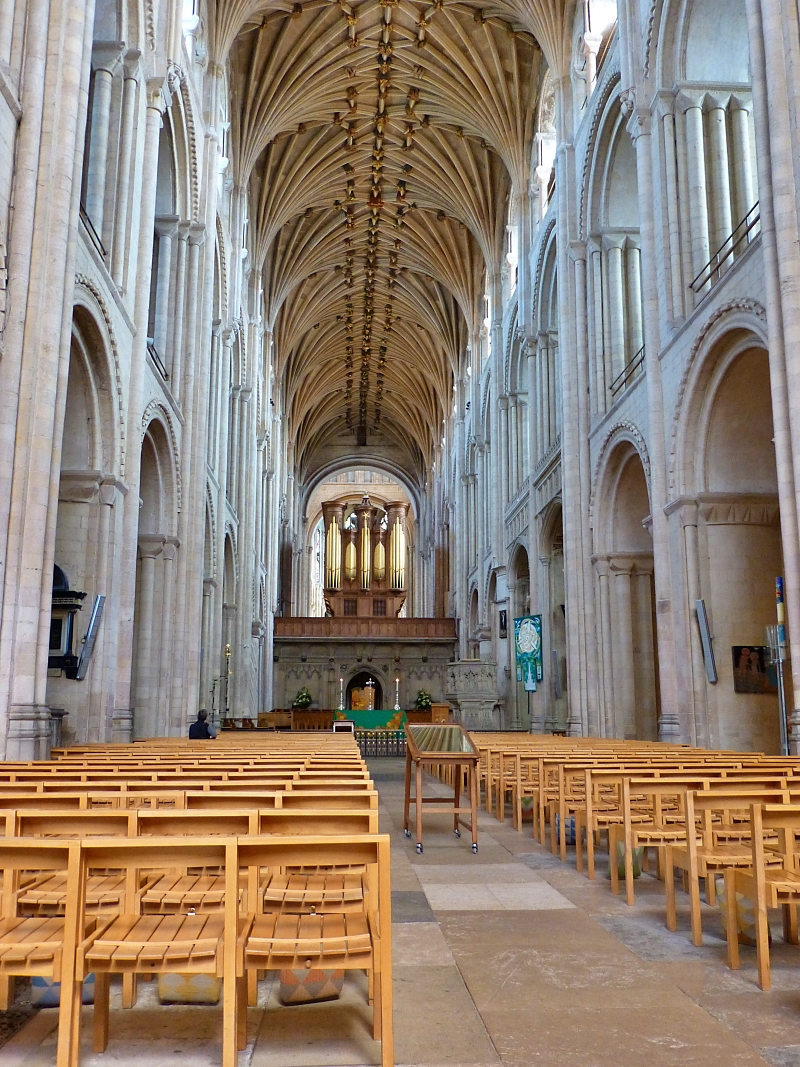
(625, 592)
(731, 327)
(726, 469)
(610, 199)
(90, 487)
(91, 320)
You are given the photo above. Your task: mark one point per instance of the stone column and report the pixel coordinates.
(166, 227)
(181, 291)
(688, 520)
(504, 449)
(634, 302)
(600, 401)
(773, 28)
(613, 245)
(164, 721)
(591, 46)
(544, 703)
(130, 530)
(645, 662)
(720, 173)
(624, 687)
(604, 632)
(105, 60)
(744, 194)
(672, 198)
(35, 364)
(119, 246)
(150, 548)
(670, 727)
(209, 585)
(541, 402)
(697, 187)
(513, 468)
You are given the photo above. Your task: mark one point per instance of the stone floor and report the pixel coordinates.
(506, 957)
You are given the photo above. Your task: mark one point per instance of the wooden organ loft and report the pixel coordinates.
(365, 558)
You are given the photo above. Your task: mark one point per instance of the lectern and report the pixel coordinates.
(437, 745)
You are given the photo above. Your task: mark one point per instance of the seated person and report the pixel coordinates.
(201, 730)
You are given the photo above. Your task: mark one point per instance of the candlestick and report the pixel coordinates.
(397, 694)
(341, 694)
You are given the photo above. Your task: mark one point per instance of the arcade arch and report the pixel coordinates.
(625, 595)
(730, 471)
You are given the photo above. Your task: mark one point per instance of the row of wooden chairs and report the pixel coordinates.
(273, 861)
(226, 943)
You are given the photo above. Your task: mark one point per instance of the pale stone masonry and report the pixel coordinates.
(536, 265)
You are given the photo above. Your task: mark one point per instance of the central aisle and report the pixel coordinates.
(505, 958)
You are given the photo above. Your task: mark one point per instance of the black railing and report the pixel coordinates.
(381, 742)
(93, 234)
(747, 230)
(156, 358)
(627, 372)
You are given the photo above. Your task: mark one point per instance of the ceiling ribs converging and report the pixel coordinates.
(380, 140)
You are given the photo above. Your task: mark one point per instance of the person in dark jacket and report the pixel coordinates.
(200, 730)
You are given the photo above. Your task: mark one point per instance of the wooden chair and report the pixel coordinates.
(133, 943)
(41, 946)
(701, 856)
(301, 934)
(772, 881)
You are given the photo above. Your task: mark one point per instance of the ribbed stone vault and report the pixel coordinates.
(380, 141)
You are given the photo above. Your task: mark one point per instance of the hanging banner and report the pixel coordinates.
(528, 646)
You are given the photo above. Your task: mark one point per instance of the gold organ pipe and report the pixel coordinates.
(366, 553)
(333, 555)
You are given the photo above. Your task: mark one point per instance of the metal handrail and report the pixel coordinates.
(156, 358)
(627, 372)
(743, 232)
(95, 236)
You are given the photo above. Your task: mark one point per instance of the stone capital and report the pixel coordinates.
(151, 545)
(171, 546)
(685, 508)
(79, 487)
(591, 43)
(112, 489)
(166, 225)
(614, 240)
(621, 565)
(133, 59)
(107, 56)
(157, 94)
(600, 564)
(197, 234)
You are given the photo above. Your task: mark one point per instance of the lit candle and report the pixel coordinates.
(397, 694)
(341, 694)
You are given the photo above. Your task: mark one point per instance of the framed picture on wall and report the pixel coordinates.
(753, 671)
(504, 623)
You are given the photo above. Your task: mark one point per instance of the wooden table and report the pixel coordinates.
(452, 745)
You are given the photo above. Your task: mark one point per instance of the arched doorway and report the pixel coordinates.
(155, 587)
(624, 569)
(554, 636)
(739, 543)
(358, 696)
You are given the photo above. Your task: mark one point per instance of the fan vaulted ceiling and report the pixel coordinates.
(379, 141)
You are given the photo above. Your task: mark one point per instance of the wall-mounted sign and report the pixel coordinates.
(528, 647)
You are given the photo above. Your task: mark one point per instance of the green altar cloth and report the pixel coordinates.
(374, 720)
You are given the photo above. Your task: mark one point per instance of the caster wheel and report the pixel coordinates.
(474, 848)
(407, 833)
(419, 849)
(457, 833)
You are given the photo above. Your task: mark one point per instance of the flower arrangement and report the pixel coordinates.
(303, 699)
(423, 701)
